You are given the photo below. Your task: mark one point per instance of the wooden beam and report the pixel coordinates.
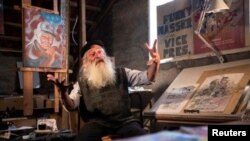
(55, 6)
(42, 69)
(10, 38)
(82, 24)
(28, 93)
(88, 7)
(56, 96)
(40, 8)
(13, 24)
(15, 7)
(10, 50)
(26, 2)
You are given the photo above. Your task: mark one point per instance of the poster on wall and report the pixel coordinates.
(174, 29)
(1, 18)
(225, 29)
(177, 20)
(44, 39)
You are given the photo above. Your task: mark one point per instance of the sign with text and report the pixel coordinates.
(177, 20)
(174, 29)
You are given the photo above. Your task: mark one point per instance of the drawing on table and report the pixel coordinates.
(175, 99)
(214, 93)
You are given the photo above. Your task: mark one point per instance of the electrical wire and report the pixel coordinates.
(72, 33)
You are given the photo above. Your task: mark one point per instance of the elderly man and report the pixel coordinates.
(102, 93)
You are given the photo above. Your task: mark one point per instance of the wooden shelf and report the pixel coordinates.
(13, 24)
(10, 50)
(42, 69)
(10, 38)
(12, 119)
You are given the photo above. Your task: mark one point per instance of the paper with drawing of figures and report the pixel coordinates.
(176, 99)
(215, 93)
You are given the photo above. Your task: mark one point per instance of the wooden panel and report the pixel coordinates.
(17, 102)
(42, 69)
(55, 6)
(10, 102)
(56, 95)
(26, 2)
(28, 93)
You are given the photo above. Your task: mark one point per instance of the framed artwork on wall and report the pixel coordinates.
(224, 29)
(44, 41)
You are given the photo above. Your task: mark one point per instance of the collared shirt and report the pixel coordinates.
(135, 78)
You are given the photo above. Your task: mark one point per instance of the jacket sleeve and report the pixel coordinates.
(136, 77)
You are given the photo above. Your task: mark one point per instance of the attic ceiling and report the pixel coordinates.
(96, 12)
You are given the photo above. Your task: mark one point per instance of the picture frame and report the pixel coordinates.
(175, 99)
(228, 95)
(44, 41)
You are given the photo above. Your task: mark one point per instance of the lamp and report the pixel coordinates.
(210, 6)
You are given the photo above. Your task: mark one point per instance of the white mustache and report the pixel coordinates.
(98, 60)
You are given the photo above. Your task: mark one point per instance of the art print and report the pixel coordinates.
(175, 99)
(215, 93)
(44, 39)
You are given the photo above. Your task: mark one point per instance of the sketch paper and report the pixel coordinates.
(215, 93)
(176, 99)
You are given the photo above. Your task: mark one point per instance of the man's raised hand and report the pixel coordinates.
(153, 52)
(60, 84)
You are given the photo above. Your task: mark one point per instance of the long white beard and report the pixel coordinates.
(99, 75)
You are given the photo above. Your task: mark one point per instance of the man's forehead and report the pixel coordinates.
(91, 44)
